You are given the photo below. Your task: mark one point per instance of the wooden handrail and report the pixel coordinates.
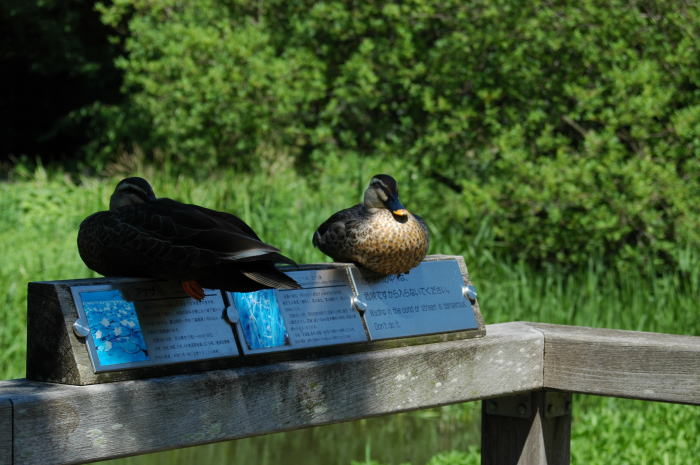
(634, 364)
(42, 423)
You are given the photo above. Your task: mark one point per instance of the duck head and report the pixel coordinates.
(382, 192)
(131, 191)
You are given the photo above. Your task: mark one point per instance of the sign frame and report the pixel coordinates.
(413, 317)
(303, 314)
(57, 345)
(126, 297)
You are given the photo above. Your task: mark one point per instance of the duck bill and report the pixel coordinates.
(396, 207)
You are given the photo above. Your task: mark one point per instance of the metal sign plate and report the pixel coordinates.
(427, 300)
(320, 314)
(132, 325)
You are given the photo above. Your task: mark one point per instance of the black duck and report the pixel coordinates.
(378, 234)
(144, 236)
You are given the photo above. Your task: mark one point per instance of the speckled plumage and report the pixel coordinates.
(161, 238)
(374, 237)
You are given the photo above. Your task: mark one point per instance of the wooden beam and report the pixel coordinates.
(56, 424)
(5, 431)
(526, 429)
(42, 423)
(639, 365)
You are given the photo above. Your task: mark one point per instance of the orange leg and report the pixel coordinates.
(193, 289)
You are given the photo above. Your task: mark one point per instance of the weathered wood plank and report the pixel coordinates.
(526, 429)
(57, 424)
(5, 431)
(632, 364)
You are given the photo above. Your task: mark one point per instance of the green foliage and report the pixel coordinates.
(216, 89)
(649, 437)
(471, 457)
(572, 128)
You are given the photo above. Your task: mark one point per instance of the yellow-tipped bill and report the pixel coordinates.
(395, 206)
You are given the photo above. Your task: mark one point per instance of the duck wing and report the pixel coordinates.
(184, 225)
(223, 219)
(422, 223)
(251, 258)
(225, 252)
(334, 235)
(170, 240)
(135, 241)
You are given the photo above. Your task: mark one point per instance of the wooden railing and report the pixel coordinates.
(523, 372)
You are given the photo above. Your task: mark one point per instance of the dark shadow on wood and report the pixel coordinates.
(526, 429)
(5, 426)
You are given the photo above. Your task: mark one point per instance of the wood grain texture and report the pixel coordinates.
(640, 365)
(53, 424)
(50, 339)
(529, 436)
(5, 431)
(57, 424)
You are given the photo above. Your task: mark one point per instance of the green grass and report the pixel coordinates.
(40, 213)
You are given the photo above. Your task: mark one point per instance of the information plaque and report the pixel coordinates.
(320, 314)
(141, 324)
(103, 330)
(429, 299)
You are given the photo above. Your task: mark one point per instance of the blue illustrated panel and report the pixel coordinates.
(260, 318)
(114, 327)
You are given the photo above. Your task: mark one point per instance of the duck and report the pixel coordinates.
(144, 236)
(379, 234)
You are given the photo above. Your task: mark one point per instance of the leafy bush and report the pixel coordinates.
(572, 127)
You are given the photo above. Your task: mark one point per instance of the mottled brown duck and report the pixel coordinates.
(144, 236)
(378, 234)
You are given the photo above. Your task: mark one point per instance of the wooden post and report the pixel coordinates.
(526, 429)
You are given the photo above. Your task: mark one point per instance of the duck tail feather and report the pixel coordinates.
(272, 278)
(250, 254)
(272, 257)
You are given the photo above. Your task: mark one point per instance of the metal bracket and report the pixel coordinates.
(355, 300)
(349, 270)
(518, 406)
(557, 404)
